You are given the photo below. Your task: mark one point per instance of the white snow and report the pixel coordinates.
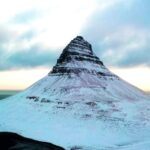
(69, 119)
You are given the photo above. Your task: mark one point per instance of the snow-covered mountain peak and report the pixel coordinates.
(81, 98)
(78, 56)
(80, 45)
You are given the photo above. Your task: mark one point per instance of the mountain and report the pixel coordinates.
(80, 104)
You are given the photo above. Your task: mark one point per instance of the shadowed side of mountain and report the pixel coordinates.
(13, 141)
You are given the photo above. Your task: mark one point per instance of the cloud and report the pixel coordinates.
(19, 50)
(121, 34)
(33, 33)
(5, 35)
(127, 47)
(26, 17)
(33, 57)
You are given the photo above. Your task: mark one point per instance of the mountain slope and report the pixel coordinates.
(80, 102)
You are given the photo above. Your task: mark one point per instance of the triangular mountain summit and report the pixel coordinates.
(79, 104)
(77, 57)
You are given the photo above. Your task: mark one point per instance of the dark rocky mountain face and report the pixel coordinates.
(77, 51)
(12, 141)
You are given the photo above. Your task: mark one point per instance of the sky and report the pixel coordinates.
(34, 33)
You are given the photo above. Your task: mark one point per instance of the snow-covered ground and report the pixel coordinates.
(89, 108)
(127, 146)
